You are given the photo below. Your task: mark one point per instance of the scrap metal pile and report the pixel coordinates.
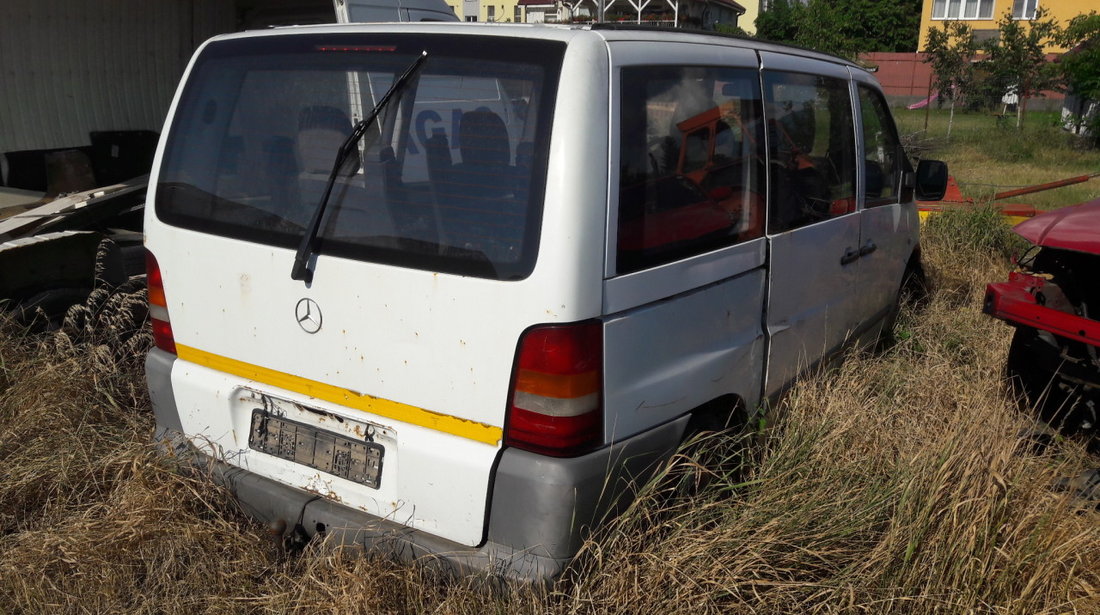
(48, 253)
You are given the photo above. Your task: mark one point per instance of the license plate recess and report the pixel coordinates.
(359, 461)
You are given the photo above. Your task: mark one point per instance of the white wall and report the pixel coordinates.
(68, 67)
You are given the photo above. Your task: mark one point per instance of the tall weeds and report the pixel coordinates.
(901, 482)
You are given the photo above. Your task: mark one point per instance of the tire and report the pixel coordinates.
(1033, 372)
(913, 291)
(46, 310)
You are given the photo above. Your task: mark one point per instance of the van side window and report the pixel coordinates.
(811, 144)
(691, 171)
(881, 150)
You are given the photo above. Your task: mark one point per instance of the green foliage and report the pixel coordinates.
(843, 27)
(980, 230)
(1081, 65)
(1016, 59)
(781, 21)
(725, 28)
(949, 51)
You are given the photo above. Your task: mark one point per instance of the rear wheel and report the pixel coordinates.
(46, 310)
(913, 291)
(714, 446)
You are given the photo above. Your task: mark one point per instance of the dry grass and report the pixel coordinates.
(896, 483)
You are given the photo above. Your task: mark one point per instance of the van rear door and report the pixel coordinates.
(379, 383)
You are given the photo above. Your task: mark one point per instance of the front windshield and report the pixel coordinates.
(449, 177)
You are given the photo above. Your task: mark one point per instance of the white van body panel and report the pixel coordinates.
(891, 229)
(455, 463)
(711, 337)
(814, 302)
(812, 297)
(696, 319)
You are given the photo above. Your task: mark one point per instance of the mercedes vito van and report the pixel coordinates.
(445, 290)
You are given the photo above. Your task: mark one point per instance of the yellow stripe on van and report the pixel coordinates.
(445, 423)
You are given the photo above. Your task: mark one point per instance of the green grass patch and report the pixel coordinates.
(987, 156)
(980, 229)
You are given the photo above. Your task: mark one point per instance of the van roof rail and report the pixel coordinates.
(727, 35)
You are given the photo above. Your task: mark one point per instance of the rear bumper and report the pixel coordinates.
(540, 511)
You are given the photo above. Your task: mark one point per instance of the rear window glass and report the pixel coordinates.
(449, 178)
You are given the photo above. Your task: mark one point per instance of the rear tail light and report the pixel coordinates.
(556, 393)
(158, 306)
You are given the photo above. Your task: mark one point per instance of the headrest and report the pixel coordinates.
(321, 130)
(483, 138)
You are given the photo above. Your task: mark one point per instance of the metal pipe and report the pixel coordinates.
(1041, 187)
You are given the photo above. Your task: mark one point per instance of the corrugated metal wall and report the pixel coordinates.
(68, 67)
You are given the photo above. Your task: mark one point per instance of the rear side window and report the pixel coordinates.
(882, 163)
(450, 177)
(691, 176)
(811, 142)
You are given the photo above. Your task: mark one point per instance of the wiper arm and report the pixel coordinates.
(308, 246)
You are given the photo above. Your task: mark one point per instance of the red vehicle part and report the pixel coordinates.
(1018, 301)
(1054, 302)
(1074, 228)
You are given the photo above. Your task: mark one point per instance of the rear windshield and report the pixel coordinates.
(449, 178)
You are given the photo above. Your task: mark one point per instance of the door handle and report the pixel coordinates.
(867, 248)
(851, 255)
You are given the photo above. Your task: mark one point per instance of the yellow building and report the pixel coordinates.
(982, 15)
(488, 10)
(748, 20)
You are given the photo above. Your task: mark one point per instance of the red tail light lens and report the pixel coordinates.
(158, 306)
(556, 396)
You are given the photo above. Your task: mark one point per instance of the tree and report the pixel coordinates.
(1081, 66)
(950, 51)
(1016, 61)
(781, 22)
(842, 27)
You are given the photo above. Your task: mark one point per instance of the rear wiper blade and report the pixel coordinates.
(308, 246)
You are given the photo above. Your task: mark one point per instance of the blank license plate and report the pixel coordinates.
(356, 460)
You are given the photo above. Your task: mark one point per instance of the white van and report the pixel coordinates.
(554, 252)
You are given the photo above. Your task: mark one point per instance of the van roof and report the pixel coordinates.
(609, 32)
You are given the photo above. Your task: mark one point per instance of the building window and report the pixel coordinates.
(471, 18)
(965, 9)
(491, 13)
(1024, 9)
(517, 16)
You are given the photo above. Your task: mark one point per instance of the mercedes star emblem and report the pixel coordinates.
(308, 314)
